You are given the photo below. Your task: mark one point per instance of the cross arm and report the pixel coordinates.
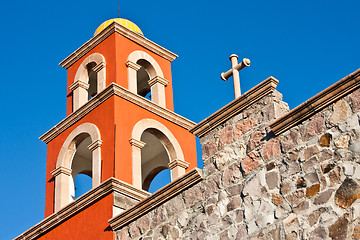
(245, 63)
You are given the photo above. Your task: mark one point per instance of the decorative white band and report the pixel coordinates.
(178, 163)
(77, 84)
(100, 66)
(158, 79)
(95, 145)
(132, 65)
(137, 143)
(60, 170)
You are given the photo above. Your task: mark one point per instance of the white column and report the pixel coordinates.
(101, 76)
(157, 85)
(132, 69)
(80, 94)
(177, 168)
(62, 187)
(95, 148)
(136, 147)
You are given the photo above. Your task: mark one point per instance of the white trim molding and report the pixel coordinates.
(137, 143)
(109, 91)
(61, 170)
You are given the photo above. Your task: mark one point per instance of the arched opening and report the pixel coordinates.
(89, 80)
(154, 157)
(81, 164)
(92, 80)
(144, 74)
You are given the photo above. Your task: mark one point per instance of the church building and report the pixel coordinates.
(269, 172)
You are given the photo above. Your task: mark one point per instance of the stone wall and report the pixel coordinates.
(301, 184)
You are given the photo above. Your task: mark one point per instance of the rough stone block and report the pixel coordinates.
(315, 126)
(314, 216)
(311, 151)
(327, 167)
(355, 100)
(250, 162)
(285, 188)
(272, 179)
(323, 197)
(339, 230)
(334, 176)
(252, 188)
(319, 233)
(313, 190)
(347, 194)
(226, 136)
(277, 199)
(300, 183)
(325, 140)
(312, 178)
(271, 149)
(231, 175)
(208, 149)
(291, 223)
(342, 141)
(309, 164)
(255, 140)
(289, 140)
(242, 127)
(296, 197)
(341, 111)
(234, 203)
(356, 232)
(348, 169)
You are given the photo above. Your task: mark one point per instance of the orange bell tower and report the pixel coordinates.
(120, 128)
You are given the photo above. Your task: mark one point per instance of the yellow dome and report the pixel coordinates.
(126, 23)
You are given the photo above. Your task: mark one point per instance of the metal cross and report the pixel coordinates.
(234, 71)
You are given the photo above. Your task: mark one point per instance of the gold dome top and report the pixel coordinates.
(126, 23)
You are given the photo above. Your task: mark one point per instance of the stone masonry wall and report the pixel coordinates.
(302, 184)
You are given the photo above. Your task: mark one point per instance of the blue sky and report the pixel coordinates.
(306, 45)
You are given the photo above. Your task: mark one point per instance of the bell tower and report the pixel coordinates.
(120, 122)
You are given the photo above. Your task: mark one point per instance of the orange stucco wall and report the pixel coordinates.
(91, 223)
(103, 118)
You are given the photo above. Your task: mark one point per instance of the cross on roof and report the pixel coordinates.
(234, 71)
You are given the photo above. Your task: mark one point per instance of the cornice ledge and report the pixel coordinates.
(95, 145)
(115, 89)
(236, 106)
(116, 27)
(158, 79)
(318, 102)
(152, 107)
(178, 163)
(61, 170)
(136, 143)
(108, 186)
(159, 197)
